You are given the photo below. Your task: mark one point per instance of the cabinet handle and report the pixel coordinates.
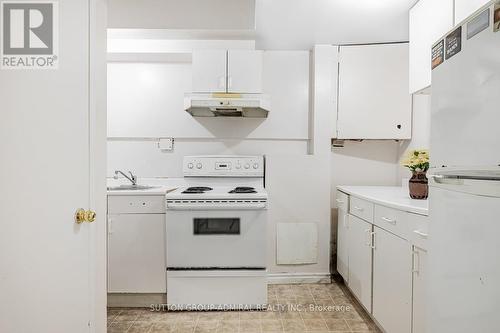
(388, 220)
(421, 234)
(110, 226)
(359, 209)
(368, 240)
(373, 234)
(416, 262)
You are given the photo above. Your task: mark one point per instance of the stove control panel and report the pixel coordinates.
(223, 166)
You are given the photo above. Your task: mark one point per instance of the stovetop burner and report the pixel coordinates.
(197, 190)
(243, 189)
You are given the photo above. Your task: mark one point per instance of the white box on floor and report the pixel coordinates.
(203, 288)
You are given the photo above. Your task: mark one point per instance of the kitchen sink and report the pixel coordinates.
(130, 187)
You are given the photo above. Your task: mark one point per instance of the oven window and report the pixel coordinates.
(217, 226)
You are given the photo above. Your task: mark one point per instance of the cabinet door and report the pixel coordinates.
(419, 290)
(429, 20)
(342, 245)
(392, 282)
(136, 253)
(244, 71)
(373, 101)
(209, 71)
(360, 260)
(465, 8)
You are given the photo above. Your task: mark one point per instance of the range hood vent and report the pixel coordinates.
(227, 105)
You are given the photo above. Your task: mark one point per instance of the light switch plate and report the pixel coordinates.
(166, 144)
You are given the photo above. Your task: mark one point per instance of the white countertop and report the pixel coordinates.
(160, 186)
(156, 190)
(396, 197)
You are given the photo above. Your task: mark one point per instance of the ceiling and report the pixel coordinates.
(278, 24)
(299, 24)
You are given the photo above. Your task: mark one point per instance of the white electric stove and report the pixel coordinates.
(217, 235)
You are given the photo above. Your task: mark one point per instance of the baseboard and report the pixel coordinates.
(120, 300)
(296, 278)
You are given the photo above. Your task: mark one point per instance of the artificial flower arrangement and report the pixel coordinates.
(417, 160)
(418, 163)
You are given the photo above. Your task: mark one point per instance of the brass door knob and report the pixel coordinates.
(90, 216)
(82, 215)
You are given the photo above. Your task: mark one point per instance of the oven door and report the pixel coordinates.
(216, 239)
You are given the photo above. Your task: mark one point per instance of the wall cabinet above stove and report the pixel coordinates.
(227, 71)
(373, 98)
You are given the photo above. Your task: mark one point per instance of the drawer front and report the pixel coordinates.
(146, 204)
(418, 230)
(342, 201)
(392, 220)
(361, 208)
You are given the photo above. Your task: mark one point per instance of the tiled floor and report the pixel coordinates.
(315, 308)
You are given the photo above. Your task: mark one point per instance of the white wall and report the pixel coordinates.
(146, 102)
(302, 192)
(181, 14)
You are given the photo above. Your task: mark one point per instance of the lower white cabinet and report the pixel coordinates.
(360, 260)
(419, 290)
(392, 291)
(382, 251)
(342, 236)
(136, 253)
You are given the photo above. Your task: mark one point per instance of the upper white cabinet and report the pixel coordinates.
(465, 8)
(429, 21)
(373, 98)
(209, 71)
(244, 71)
(235, 71)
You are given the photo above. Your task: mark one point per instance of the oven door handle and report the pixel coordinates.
(249, 206)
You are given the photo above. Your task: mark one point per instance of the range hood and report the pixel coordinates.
(227, 105)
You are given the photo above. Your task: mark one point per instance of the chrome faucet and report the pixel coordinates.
(132, 178)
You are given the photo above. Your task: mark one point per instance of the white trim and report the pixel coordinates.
(186, 34)
(295, 278)
(150, 57)
(97, 162)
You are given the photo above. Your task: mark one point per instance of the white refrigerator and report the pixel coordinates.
(464, 201)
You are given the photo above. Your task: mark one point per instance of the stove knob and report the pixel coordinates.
(198, 165)
(190, 165)
(256, 165)
(247, 166)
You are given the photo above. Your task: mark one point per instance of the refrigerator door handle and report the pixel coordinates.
(445, 179)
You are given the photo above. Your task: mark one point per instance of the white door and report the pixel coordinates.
(136, 253)
(392, 282)
(429, 20)
(373, 101)
(360, 260)
(52, 145)
(465, 8)
(244, 71)
(419, 289)
(209, 71)
(343, 236)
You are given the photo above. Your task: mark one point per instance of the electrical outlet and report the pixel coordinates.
(166, 144)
